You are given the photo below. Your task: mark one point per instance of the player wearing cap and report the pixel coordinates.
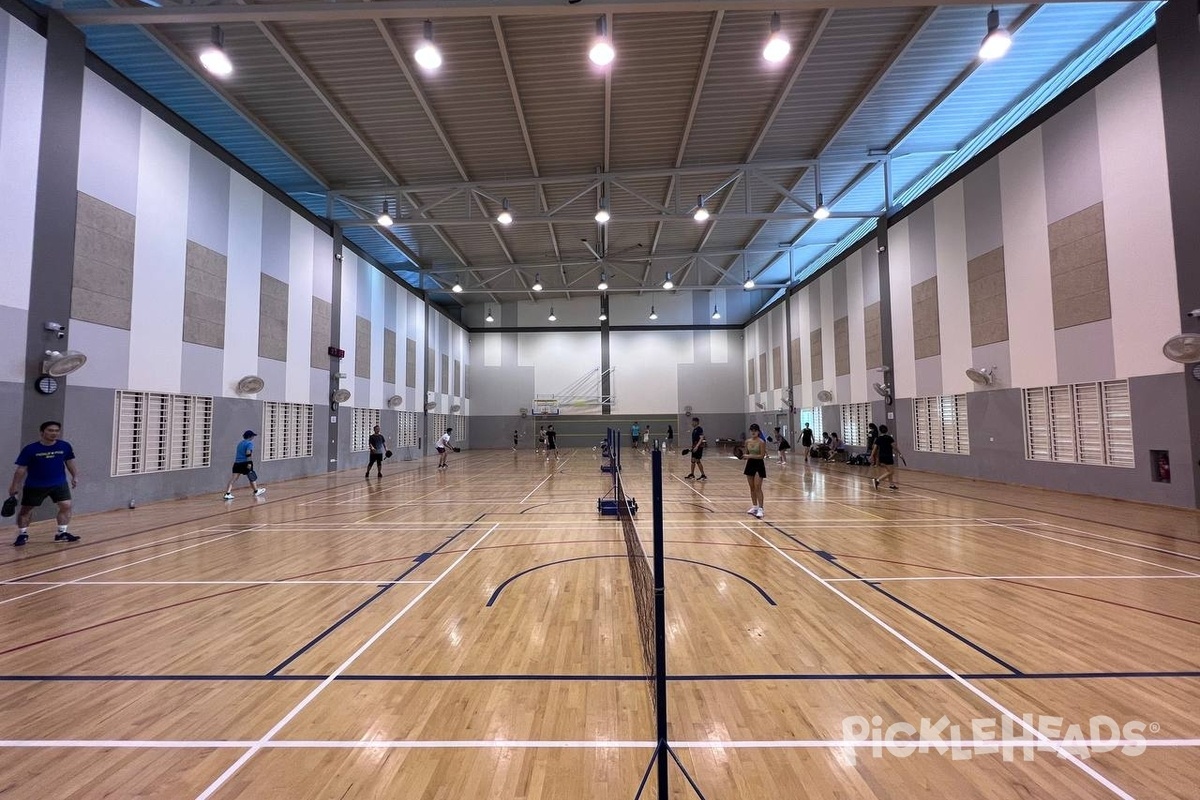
(243, 464)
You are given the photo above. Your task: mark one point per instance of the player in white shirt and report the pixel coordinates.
(442, 446)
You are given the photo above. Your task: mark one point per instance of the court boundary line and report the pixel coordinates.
(299, 707)
(220, 538)
(979, 693)
(233, 583)
(1094, 549)
(611, 678)
(897, 579)
(418, 561)
(1041, 744)
(831, 559)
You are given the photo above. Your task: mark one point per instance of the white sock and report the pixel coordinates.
(62, 528)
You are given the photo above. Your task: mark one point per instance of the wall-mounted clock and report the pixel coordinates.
(46, 384)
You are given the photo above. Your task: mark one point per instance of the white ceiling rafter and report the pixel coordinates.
(765, 126)
(442, 136)
(915, 31)
(519, 108)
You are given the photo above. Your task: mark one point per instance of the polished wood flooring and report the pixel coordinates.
(472, 633)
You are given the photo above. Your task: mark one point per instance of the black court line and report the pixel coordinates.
(387, 587)
(829, 557)
(460, 678)
(511, 578)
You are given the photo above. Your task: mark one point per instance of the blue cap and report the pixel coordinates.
(249, 434)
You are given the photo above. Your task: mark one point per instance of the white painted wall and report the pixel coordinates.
(160, 248)
(1027, 263)
(900, 284)
(299, 330)
(954, 301)
(242, 284)
(1137, 218)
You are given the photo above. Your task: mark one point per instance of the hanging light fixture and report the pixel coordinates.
(457, 287)
(505, 216)
(777, 47)
(701, 212)
(552, 318)
(385, 218)
(428, 55)
(602, 52)
(749, 282)
(602, 215)
(668, 283)
(214, 58)
(489, 317)
(652, 314)
(537, 282)
(603, 284)
(997, 40)
(716, 314)
(821, 211)
(603, 316)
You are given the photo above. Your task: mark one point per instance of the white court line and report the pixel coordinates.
(588, 744)
(269, 735)
(1027, 727)
(103, 556)
(216, 583)
(557, 469)
(1126, 542)
(125, 566)
(1097, 550)
(1019, 577)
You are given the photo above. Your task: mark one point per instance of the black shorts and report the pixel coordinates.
(242, 467)
(697, 453)
(755, 466)
(375, 457)
(34, 495)
(887, 462)
(783, 445)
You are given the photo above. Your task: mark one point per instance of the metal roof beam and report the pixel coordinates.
(302, 11)
(519, 107)
(729, 216)
(591, 179)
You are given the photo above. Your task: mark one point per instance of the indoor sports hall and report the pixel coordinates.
(486, 304)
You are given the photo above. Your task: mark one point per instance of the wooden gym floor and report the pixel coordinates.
(472, 633)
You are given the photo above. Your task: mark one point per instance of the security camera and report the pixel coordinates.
(880, 249)
(57, 328)
(337, 256)
(1195, 312)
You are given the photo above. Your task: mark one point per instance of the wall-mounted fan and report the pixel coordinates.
(251, 384)
(430, 406)
(340, 395)
(824, 396)
(524, 412)
(1183, 349)
(984, 376)
(687, 411)
(454, 409)
(58, 364)
(395, 401)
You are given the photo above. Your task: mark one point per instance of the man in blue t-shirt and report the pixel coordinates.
(243, 464)
(42, 469)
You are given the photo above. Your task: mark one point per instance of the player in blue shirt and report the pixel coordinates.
(243, 464)
(42, 468)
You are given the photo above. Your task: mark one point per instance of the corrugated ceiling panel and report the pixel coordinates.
(654, 78)
(562, 91)
(741, 87)
(856, 44)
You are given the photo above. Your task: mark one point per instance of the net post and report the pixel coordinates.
(660, 625)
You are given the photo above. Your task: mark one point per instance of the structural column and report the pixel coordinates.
(1178, 33)
(335, 338)
(54, 215)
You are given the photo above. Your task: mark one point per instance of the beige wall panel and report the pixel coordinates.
(926, 326)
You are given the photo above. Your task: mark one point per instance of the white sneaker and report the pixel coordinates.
(751, 510)
(259, 492)
(758, 512)
(228, 496)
